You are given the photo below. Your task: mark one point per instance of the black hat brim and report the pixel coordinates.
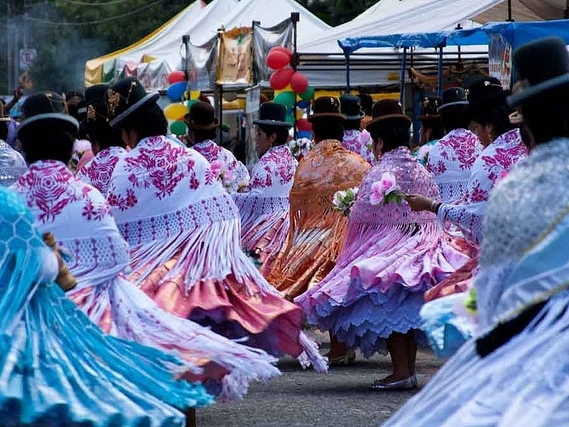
(454, 104)
(319, 116)
(276, 123)
(530, 92)
(482, 105)
(147, 99)
(395, 120)
(51, 121)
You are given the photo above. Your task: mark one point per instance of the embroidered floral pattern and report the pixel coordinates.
(100, 168)
(154, 166)
(358, 142)
(235, 173)
(49, 188)
(276, 165)
(451, 160)
(500, 155)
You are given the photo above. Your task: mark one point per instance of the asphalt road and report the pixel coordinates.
(302, 398)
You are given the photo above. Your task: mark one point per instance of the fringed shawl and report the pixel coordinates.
(450, 163)
(316, 230)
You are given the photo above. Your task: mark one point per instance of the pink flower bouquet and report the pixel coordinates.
(386, 191)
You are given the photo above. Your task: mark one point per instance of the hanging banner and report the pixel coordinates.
(264, 39)
(500, 60)
(202, 65)
(235, 57)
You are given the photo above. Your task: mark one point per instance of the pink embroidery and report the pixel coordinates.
(95, 212)
(49, 187)
(235, 175)
(99, 170)
(123, 203)
(161, 167)
(277, 164)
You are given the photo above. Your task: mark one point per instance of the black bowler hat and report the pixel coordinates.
(96, 105)
(124, 98)
(350, 106)
(453, 97)
(201, 116)
(388, 112)
(483, 95)
(272, 114)
(429, 108)
(48, 110)
(326, 107)
(542, 65)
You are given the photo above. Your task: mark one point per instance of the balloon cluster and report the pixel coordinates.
(288, 83)
(181, 101)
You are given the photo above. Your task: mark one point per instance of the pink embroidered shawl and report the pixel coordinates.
(99, 169)
(264, 206)
(358, 142)
(467, 213)
(236, 175)
(175, 214)
(79, 216)
(450, 162)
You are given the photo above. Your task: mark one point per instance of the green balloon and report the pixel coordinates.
(190, 102)
(308, 94)
(286, 98)
(289, 118)
(178, 128)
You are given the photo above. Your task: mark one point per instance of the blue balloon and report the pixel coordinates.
(302, 104)
(176, 91)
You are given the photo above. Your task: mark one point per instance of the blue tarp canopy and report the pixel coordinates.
(516, 33)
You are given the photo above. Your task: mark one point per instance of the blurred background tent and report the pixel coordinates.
(155, 56)
(525, 10)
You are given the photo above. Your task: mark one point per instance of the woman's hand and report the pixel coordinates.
(418, 202)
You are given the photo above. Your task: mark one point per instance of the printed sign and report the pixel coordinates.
(500, 60)
(27, 58)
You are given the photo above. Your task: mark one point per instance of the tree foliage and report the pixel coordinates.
(66, 33)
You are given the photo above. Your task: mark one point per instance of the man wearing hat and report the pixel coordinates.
(431, 129)
(390, 256)
(451, 158)
(264, 206)
(108, 145)
(183, 229)
(354, 140)
(202, 128)
(317, 230)
(517, 368)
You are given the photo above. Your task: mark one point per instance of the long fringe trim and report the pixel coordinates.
(210, 251)
(136, 317)
(310, 355)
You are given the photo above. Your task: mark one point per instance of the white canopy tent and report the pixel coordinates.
(162, 47)
(399, 16)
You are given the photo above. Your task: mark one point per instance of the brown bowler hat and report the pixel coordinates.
(326, 106)
(201, 117)
(388, 112)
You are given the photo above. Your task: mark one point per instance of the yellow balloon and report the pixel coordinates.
(286, 89)
(299, 114)
(175, 111)
(194, 94)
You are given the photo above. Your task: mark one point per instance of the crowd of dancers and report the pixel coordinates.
(152, 276)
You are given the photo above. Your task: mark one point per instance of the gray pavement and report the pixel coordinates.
(302, 398)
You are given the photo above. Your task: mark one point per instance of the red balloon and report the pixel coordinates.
(299, 82)
(281, 78)
(282, 49)
(176, 76)
(277, 59)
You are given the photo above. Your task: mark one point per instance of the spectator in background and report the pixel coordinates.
(12, 124)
